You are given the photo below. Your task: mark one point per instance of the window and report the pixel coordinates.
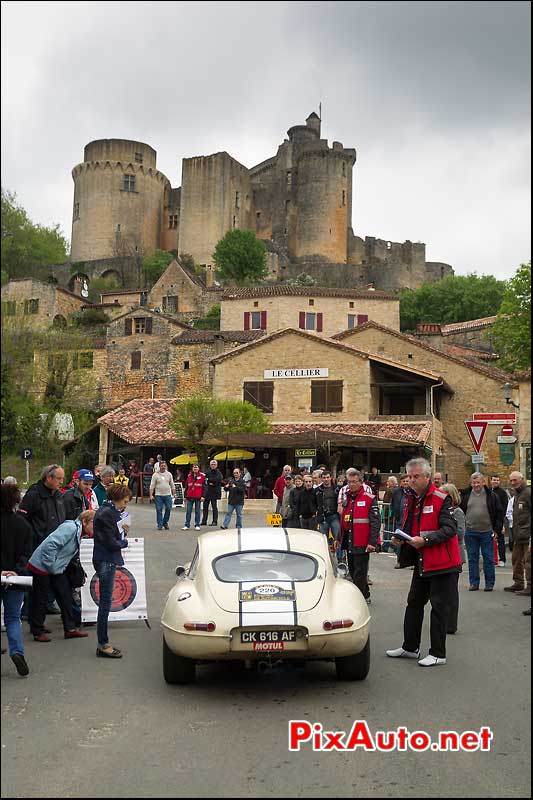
(264, 565)
(261, 395)
(326, 396)
(389, 245)
(351, 304)
(311, 302)
(136, 359)
(144, 298)
(138, 158)
(237, 200)
(352, 321)
(289, 179)
(172, 221)
(76, 213)
(140, 324)
(344, 169)
(9, 308)
(256, 304)
(362, 318)
(255, 320)
(234, 221)
(129, 183)
(310, 321)
(343, 197)
(82, 361)
(57, 361)
(258, 215)
(31, 306)
(170, 303)
(186, 365)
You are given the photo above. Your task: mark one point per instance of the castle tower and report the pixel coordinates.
(324, 201)
(118, 201)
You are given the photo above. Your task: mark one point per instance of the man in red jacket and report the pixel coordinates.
(279, 486)
(361, 523)
(434, 553)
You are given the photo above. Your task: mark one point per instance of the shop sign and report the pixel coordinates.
(313, 372)
(305, 452)
(507, 454)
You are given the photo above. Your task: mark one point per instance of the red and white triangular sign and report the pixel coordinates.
(476, 431)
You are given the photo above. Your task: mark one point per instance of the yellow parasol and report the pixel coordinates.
(234, 455)
(185, 458)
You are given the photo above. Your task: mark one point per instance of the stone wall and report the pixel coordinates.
(292, 396)
(24, 297)
(87, 383)
(177, 292)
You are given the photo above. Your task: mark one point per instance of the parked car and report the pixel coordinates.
(257, 593)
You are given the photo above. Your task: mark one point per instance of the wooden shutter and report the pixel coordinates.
(263, 320)
(127, 326)
(136, 359)
(333, 395)
(301, 322)
(318, 396)
(362, 318)
(148, 325)
(246, 320)
(319, 323)
(266, 397)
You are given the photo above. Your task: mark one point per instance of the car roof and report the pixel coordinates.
(216, 543)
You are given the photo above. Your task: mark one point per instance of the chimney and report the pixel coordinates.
(209, 276)
(219, 344)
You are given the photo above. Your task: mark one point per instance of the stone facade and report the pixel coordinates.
(276, 307)
(40, 305)
(123, 298)
(178, 291)
(476, 388)
(83, 370)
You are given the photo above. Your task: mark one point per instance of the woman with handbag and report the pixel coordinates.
(50, 566)
(16, 549)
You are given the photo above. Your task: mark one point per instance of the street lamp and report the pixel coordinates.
(507, 391)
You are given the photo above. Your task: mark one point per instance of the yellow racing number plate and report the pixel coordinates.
(274, 520)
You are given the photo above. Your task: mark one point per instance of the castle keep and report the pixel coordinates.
(299, 202)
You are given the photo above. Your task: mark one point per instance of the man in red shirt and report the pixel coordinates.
(279, 486)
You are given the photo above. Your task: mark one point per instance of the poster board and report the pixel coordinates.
(129, 595)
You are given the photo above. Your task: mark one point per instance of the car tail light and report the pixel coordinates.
(338, 623)
(199, 626)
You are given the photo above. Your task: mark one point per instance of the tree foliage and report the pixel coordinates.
(201, 418)
(9, 417)
(27, 248)
(100, 285)
(241, 258)
(455, 298)
(154, 265)
(211, 321)
(512, 331)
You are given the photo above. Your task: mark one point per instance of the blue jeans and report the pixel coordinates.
(106, 577)
(332, 522)
(163, 502)
(238, 512)
(12, 600)
(475, 541)
(197, 512)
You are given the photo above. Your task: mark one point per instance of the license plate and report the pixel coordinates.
(267, 637)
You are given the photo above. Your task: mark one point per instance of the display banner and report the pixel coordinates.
(129, 594)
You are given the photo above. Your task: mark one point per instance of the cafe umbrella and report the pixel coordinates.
(234, 455)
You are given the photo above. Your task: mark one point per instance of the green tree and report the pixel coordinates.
(512, 331)
(27, 248)
(201, 419)
(211, 321)
(9, 417)
(100, 285)
(154, 265)
(241, 258)
(456, 298)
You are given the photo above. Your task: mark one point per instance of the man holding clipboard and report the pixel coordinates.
(428, 539)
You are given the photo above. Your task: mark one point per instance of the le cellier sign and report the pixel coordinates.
(295, 372)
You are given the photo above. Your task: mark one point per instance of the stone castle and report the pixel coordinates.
(299, 202)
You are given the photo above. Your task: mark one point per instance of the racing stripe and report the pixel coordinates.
(272, 539)
(293, 586)
(266, 612)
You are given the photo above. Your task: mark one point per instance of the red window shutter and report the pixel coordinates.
(246, 320)
(319, 323)
(362, 318)
(263, 320)
(148, 325)
(301, 323)
(127, 327)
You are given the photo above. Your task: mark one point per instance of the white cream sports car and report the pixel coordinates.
(256, 593)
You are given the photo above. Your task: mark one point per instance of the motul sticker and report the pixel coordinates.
(269, 646)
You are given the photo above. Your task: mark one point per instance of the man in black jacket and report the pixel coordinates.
(213, 492)
(306, 508)
(484, 518)
(503, 497)
(42, 505)
(75, 498)
(236, 489)
(328, 518)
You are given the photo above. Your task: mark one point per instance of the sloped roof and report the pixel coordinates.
(145, 310)
(289, 290)
(491, 372)
(469, 352)
(141, 421)
(471, 324)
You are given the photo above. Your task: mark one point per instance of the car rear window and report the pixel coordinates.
(263, 565)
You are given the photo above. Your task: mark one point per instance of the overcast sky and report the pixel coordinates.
(435, 97)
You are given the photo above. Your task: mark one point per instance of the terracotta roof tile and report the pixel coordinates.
(141, 421)
(470, 324)
(468, 352)
(287, 290)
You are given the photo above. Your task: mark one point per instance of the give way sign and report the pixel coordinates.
(476, 431)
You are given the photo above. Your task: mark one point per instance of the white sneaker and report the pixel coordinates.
(401, 653)
(501, 563)
(185, 528)
(197, 528)
(431, 661)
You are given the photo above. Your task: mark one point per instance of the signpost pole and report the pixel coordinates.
(27, 472)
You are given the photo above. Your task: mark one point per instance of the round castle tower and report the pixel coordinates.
(118, 201)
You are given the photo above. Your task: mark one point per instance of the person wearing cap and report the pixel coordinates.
(286, 512)
(75, 499)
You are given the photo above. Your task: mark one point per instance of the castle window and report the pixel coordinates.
(234, 221)
(172, 221)
(236, 199)
(344, 169)
(289, 179)
(186, 365)
(326, 396)
(260, 395)
(258, 215)
(128, 183)
(138, 158)
(136, 359)
(352, 321)
(343, 197)
(9, 307)
(118, 228)
(31, 306)
(76, 214)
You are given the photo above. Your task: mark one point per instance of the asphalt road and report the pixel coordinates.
(79, 726)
